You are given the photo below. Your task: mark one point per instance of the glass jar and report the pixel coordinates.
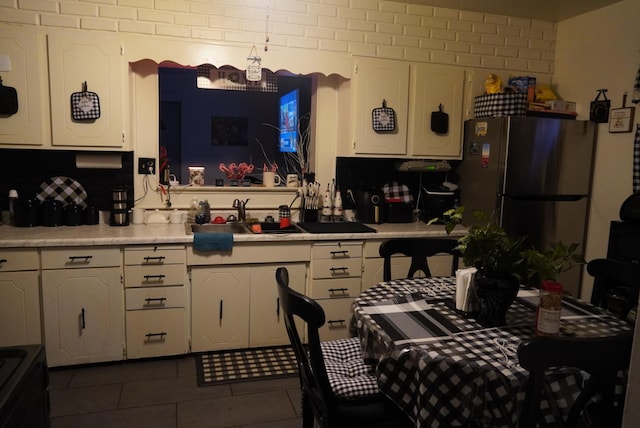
(549, 309)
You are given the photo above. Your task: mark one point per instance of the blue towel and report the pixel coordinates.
(212, 241)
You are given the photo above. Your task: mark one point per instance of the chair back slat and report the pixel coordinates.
(418, 249)
(601, 357)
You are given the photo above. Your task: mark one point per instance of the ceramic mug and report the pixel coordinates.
(270, 179)
(137, 216)
(175, 217)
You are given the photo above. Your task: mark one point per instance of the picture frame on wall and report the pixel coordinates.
(621, 119)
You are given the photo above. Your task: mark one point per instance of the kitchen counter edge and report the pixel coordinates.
(103, 235)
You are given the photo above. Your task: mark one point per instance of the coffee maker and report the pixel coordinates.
(119, 210)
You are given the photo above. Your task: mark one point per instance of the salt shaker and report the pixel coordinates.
(549, 308)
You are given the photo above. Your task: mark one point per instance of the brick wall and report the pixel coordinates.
(358, 27)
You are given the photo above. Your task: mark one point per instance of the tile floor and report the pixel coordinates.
(163, 393)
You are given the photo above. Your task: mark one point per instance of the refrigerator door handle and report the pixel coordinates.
(557, 198)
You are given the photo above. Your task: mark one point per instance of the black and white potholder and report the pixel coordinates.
(383, 119)
(85, 105)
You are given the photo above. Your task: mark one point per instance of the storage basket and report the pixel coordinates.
(503, 104)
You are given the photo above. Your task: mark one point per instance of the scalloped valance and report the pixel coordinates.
(277, 58)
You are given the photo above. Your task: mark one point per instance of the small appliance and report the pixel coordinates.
(119, 210)
(370, 202)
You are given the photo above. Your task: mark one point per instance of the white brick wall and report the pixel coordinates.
(358, 27)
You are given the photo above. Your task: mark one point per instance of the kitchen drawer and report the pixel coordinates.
(337, 315)
(156, 333)
(334, 288)
(159, 275)
(19, 259)
(339, 268)
(154, 255)
(155, 298)
(255, 252)
(80, 257)
(337, 250)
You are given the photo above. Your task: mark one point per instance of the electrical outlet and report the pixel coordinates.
(146, 166)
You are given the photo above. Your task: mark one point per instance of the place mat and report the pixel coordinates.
(342, 227)
(215, 368)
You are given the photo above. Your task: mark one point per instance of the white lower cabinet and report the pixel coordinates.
(156, 300)
(83, 304)
(220, 307)
(83, 315)
(336, 271)
(266, 321)
(19, 297)
(238, 306)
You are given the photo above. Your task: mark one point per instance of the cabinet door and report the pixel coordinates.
(19, 308)
(432, 86)
(266, 321)
(83, 315)
(220, 308)
(96, 60)
(375, 81)
(23, 68)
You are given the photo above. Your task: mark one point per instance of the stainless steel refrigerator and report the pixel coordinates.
(533, 175)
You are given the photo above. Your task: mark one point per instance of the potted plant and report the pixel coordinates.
(547, 265)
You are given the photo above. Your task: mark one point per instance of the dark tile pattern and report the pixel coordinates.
(163, 393)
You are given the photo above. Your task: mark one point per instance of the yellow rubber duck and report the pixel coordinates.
(493, 84)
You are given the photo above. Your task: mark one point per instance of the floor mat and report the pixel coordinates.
(219, 367)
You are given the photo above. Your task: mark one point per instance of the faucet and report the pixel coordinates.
(240, 206)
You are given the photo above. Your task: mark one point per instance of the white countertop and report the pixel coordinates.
(103, 234)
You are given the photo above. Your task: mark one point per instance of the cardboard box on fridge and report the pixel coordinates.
(526, 85)
(561, 105)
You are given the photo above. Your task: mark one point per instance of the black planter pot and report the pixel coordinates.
(495, 293)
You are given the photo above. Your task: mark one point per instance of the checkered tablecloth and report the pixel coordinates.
(444, 369)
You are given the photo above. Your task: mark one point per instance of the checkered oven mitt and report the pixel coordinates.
(383, 119)
(85, 105)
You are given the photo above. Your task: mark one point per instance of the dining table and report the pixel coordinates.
(444, 369)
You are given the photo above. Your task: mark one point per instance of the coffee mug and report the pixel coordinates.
(137, 215)
(292, 180)
(270, 179)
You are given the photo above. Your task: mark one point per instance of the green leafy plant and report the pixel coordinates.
(490, 249)
(547, 265)
(450, 218)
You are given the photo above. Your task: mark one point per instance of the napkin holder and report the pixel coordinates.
(465, 298)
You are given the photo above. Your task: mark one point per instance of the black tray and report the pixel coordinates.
(344, 227)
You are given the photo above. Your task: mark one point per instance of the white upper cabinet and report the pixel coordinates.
(97, 60)
(414, 91)
(376, 81)
(433, 86)
(23, 68)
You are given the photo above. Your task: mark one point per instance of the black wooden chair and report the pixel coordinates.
(418, 249)
(338, 389)
(601, 357)
(616, 285)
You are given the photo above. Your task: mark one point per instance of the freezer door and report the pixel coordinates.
(549, 156)
(481, 170)
(544, 222)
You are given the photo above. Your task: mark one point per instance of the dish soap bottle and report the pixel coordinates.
(193, 210)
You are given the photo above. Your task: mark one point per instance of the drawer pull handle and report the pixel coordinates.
(84, 259)
(278, 307)
(342, 269)
(156, 277)
(154, 259)
(159, 336)
(220, 315)
(338, 290)
(3, 260)
(339, 322)
(156, 300)
(83, 325)
(341, 253)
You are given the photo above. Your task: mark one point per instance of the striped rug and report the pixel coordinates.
(219, 367)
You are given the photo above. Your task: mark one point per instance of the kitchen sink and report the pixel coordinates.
(274, 227)
(217, 228)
